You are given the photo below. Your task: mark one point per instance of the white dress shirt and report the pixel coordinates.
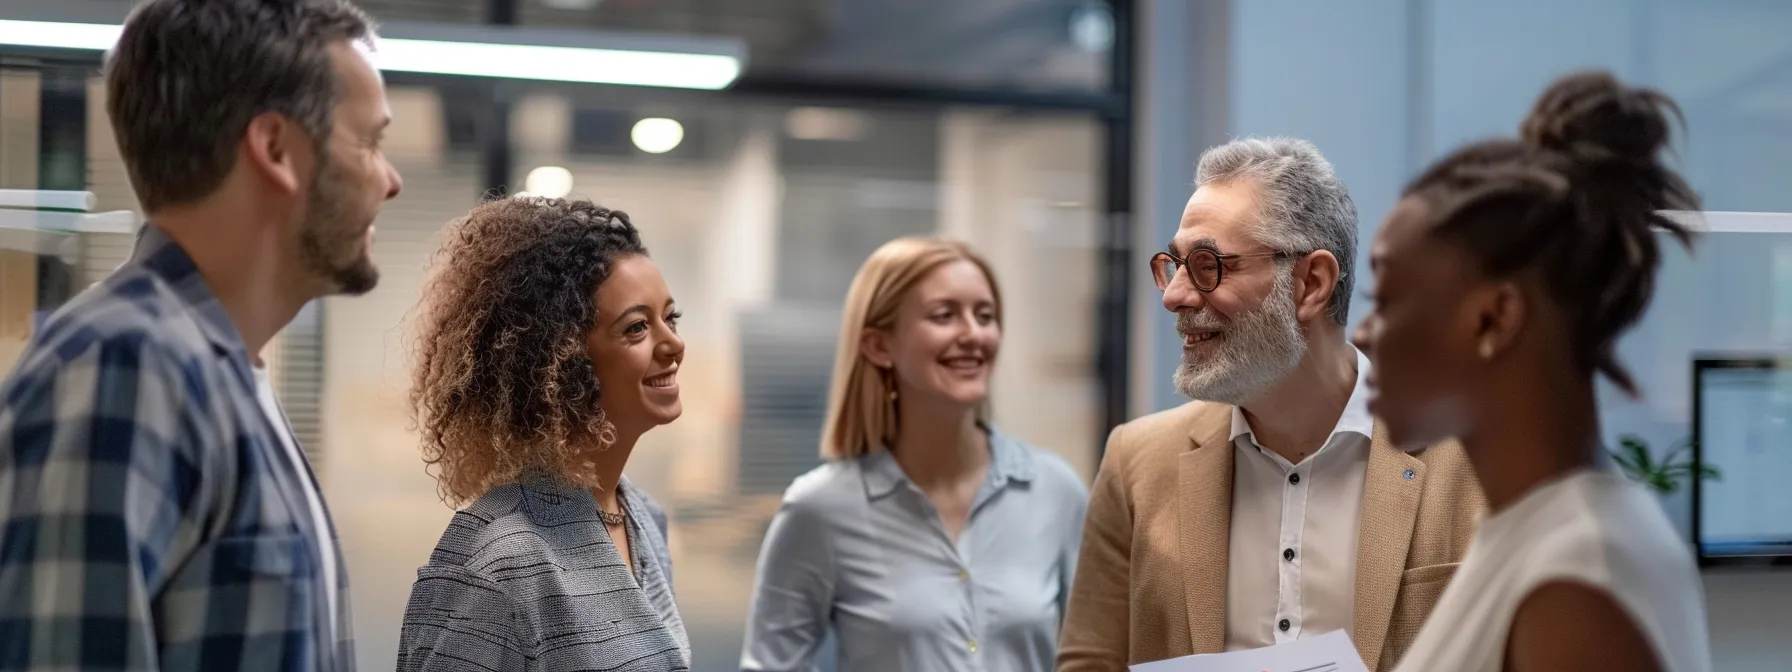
(1292, 562)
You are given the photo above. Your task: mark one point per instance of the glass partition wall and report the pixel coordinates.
(758, 215)
(43, 145)
(758, 204)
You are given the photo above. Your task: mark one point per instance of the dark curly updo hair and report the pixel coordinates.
(1575, 198)
(502, 383)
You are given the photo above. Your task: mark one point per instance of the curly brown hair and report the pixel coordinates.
(503, 383)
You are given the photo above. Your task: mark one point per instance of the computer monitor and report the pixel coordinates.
(1742, 425)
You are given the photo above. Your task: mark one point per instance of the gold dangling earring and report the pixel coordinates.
(889, 376)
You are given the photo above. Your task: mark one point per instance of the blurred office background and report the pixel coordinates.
(1057, 135)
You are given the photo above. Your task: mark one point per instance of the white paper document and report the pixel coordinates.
(1330, 652)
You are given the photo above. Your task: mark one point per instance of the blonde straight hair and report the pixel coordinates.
(861, 413)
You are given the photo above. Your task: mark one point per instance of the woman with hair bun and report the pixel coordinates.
(1503, 279)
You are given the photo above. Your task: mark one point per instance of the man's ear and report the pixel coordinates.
(276, 148)
(1315, 281)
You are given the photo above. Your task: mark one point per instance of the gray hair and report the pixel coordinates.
(1303, 206)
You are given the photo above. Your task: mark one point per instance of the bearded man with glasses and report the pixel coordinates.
(1270, 508)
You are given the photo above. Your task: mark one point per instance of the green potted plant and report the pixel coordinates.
(1663, 476)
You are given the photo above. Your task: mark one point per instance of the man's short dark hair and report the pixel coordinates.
(187, 76)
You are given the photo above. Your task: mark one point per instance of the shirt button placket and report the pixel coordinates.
(970, 600)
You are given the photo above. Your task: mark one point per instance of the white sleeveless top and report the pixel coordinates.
(1595, 527)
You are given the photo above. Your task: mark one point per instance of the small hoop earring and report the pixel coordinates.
(1486, 350)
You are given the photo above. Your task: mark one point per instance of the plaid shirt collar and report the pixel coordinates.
(164, 257)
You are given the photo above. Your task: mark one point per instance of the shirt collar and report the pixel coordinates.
(159, 254)
(1355, 419)
(1009, 461)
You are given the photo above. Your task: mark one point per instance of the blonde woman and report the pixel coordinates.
(930, 540)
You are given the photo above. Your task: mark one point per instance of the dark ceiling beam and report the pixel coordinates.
(1030, 19)
(941, 41)
(501, 12)
(805, 88)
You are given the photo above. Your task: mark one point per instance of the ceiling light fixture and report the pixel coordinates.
(549, 181)
(651, 61)
(657, 135)
(1092, 27)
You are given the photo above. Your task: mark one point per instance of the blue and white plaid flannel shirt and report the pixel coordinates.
(148, 517)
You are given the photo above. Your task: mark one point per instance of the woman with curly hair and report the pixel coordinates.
(549, 344)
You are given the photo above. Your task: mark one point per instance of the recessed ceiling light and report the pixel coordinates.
(657, 135)
(549, 181)
(1092, 27)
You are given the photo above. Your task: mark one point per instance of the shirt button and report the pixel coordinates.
(1288, 554)
(1284, 625)
(1294, 479)
(973, 646)
(964, 574)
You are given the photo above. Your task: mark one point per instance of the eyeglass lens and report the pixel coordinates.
(1203, 269)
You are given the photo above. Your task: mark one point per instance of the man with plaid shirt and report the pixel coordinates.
(155, 512)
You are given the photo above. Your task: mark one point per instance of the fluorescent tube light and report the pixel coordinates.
(58, 35)
(468, 58)
(558, 64)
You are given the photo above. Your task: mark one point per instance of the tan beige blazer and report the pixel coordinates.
(1151, 578)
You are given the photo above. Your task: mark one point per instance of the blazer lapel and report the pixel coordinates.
(1204, 510)
(1390, 508)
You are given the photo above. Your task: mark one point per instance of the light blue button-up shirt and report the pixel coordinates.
(858, 548)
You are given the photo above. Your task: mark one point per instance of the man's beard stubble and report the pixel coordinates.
(332, 246)
(1256, 349)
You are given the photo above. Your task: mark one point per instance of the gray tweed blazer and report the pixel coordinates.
(526, 578)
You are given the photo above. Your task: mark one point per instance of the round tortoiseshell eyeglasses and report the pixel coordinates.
(1206, 267)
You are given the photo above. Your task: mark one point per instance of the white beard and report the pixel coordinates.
(1256, 350)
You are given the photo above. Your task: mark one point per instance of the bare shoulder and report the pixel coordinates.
(1568, 625)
